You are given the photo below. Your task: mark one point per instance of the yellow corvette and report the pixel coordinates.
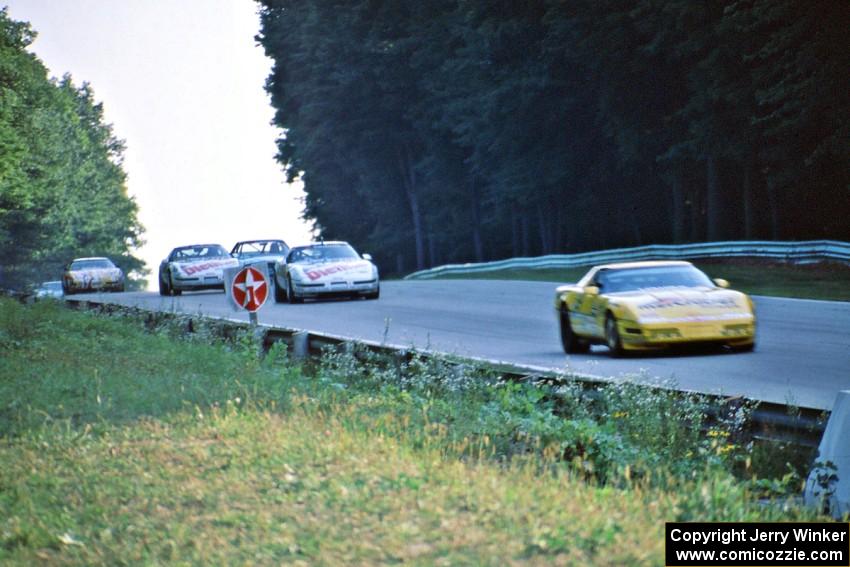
(648, 305)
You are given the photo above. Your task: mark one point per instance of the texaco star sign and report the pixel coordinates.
(249, 289)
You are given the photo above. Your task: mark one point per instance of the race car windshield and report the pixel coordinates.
(322, 253)
(265, 247)
(95, 264)
(632, 279)
(191, 253)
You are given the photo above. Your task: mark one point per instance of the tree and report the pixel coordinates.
(62, 189)
(462, 130)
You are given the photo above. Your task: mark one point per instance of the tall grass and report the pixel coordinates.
(120, 445)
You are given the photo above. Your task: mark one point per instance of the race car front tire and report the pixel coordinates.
(569, 340)
(171, 287)
(375, 295)
(612, 336)
(290, 292)
(279, 293)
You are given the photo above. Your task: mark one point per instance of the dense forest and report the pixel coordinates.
(62, 187)
(462, 130)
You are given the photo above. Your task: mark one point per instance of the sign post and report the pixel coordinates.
(249, 291)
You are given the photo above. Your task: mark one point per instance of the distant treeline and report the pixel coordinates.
(452, 130)
(62, 186)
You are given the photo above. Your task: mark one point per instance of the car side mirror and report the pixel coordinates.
(720, 282)
(591, 290)
(367, 257)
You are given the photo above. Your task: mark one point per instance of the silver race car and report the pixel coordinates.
(92, 274)
(327, 269)
(265, 253)
(195, 267)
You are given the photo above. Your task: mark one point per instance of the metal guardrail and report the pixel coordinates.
(804, 251)
(770, 421)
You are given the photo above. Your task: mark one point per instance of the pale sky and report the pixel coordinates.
(181, 81)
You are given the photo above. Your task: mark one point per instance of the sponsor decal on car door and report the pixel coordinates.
(581, 308)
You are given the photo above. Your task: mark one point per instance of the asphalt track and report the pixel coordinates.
(802, 356)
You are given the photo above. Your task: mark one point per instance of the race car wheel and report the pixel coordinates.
(163, 287)
(171, 287)
(375, 295)
(612, 336)
(743, 348)
(290, 292)
(279, 293)
(569, 340)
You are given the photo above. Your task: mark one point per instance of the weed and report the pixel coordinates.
(124, 441)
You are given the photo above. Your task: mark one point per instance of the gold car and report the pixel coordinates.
(649, 305)
(92, 274)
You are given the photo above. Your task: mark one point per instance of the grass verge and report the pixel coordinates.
(824, 280)
(121, 446)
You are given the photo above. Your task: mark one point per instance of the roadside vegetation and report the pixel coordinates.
(124, 440)
(823, 280)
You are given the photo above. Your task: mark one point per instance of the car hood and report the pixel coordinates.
(684, 304)
(200, 268)
(321, 272)
(94, 274)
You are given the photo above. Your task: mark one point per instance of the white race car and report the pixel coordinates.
(195, 267)
(326, 269)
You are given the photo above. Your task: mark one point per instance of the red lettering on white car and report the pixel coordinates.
(320, 272)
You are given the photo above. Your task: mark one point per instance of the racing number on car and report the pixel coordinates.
(580, 305)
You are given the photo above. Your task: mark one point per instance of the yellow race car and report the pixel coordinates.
(648, 305)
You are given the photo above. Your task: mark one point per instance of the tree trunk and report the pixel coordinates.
(413, 198)
(773, 206)
(557, 231)
(410, 189)
(678, 196)
(748, 200)
(433, 259)
(526, 235)
(545, 245)
(516, 229)
(477, 243)
(696, 211)
(638, 236)
(712, 200)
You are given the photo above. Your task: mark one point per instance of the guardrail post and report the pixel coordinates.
(828, 485)
(300, 345)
